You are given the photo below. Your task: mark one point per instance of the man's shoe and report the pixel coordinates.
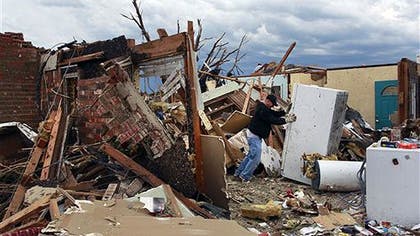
(245, 181)
(236, 178)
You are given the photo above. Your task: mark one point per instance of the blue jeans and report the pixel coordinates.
(251, 160)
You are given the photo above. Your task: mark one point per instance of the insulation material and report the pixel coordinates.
(213, 150)
(320, 114)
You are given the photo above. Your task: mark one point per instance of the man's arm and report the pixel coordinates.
(278, 113)
(268, 116)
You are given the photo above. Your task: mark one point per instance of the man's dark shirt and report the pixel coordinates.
(263, 118)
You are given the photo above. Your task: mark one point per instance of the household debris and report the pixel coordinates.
(116, 156)
(263, 212)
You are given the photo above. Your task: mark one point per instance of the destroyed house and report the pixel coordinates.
(119, 153)
(88, 94)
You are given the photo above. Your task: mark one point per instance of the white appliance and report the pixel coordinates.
(393, 185)
(318, 128)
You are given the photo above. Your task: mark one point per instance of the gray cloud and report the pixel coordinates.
(328, 33)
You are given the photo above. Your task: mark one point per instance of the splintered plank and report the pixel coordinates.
(19, 194)
(128, 163)
(148, 177)
(67, 195)
(49, 155)
(162, 33)
(173, 205)
(24, 214)
(233, 152)
(54, 210)
(248, 96)
(87, 57)
(166, 46)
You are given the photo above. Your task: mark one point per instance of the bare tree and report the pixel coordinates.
(220, 54)
(238, 57)
(138, 20)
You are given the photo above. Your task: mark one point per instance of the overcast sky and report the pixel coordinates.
(328, 33)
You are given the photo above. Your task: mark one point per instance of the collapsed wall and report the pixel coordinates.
(111, 109)
(106, 106)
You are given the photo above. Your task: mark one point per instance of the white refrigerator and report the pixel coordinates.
(393, 185)
(318, 128)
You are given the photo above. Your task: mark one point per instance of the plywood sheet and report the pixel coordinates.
(236, 122)
(214, 170)
(124, 218)
(334, 220)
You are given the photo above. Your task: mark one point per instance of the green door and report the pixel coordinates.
(386, 97)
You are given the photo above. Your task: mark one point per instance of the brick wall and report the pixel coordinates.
(19, 63)
(116, 111)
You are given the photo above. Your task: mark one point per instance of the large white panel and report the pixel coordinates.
(393, 185)
(318, 128)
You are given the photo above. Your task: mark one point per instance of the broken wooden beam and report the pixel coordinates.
(166, 46)
(171, 199)
(87, 57)
(83, 186)
(67, 195)
(53, 145)
(281, 63)
(148, 177)
(19, 194)
(193, 93)
(233, 152)
(53, 208)
(85, 194)
(24, 214)
(162, 33)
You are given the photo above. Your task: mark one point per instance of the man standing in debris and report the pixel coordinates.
(259, 129)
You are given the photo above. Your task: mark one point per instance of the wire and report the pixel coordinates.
(63, 77)
(360, 200)
(361, 174)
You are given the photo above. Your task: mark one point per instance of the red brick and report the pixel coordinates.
(19, 64)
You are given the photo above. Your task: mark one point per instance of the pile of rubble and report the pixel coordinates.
(112, 158)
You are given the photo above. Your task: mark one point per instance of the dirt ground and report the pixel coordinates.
(262, 189)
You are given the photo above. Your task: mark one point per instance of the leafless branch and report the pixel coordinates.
(210, 55)
(198, 37)
(177, 25)
(139, 20)
(238, 56)
(220, 53)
